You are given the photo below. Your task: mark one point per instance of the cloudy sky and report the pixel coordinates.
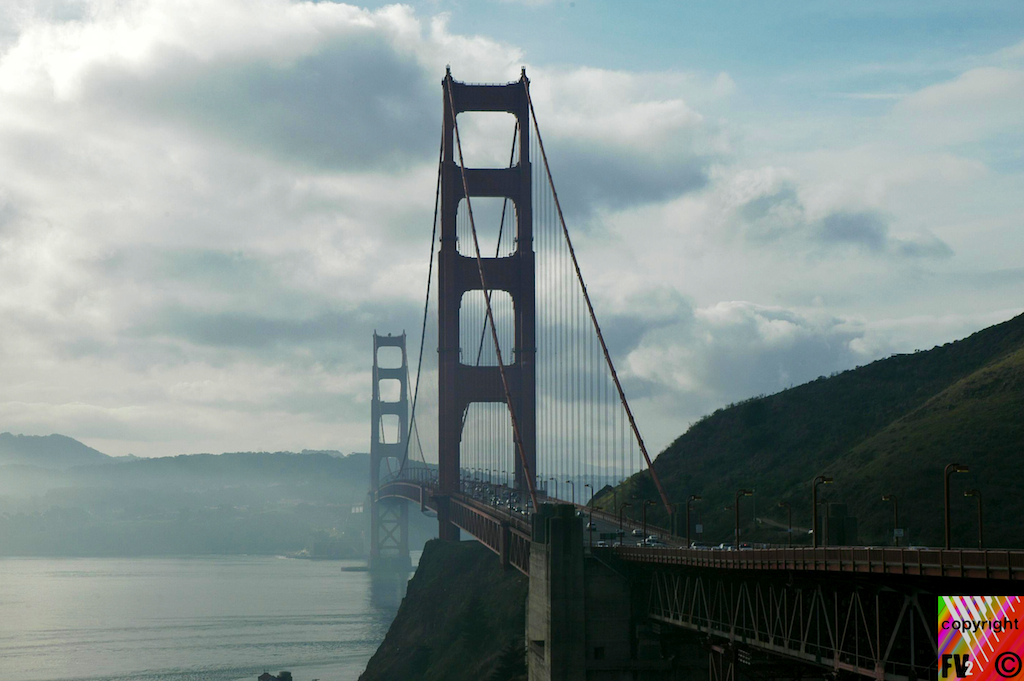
(207, 206)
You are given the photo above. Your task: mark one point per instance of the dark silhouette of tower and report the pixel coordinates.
(459, 384)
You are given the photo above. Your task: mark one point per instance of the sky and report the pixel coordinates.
(208, 206)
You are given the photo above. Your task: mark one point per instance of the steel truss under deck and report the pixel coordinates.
(880, 632)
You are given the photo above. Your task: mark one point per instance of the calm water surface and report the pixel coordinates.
(188, 619)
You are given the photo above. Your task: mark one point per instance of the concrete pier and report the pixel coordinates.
(580, 624)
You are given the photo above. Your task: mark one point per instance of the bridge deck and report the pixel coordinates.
(508, 534)
(987, 564)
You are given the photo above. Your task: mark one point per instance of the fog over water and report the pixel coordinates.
(186, 619)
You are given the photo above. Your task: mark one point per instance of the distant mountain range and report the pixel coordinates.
(32, 465)
(886, 428)
(48, 451)
(60, 497)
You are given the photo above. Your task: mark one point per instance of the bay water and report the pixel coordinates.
(189, 619)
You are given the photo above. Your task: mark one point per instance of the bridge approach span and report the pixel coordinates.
(508, 535)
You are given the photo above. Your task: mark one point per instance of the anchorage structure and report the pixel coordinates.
(389, 518)
(460, 385)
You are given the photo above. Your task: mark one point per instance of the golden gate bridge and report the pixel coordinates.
(524, 395)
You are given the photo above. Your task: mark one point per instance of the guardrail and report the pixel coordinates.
(966, 564)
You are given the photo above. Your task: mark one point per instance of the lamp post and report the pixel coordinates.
(622, 506)
(590, 527)
(789, 515)
(895, 516)
(740, 493)
(573, 485)
(591, 497)
(828, 514)
(556, 486)
(820, 480)
(981, 529)
(644, 506)
(693, 497)
(949, 470)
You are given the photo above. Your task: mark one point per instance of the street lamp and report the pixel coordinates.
(789, 514)
(693, 497)
(895, 516)
(623, 505)
(644, 507)
(585, 486)
(573, 484)
(740, 493)
(975, 493)
(949, 470)
(556, 486)
(828, 514)
(590, 527)
(820, 480)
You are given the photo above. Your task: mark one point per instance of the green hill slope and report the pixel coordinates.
(978, 421)
(885, 428)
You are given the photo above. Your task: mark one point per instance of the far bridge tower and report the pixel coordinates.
(389, 518)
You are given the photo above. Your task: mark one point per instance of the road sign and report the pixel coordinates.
(898, 532)
(700, 529)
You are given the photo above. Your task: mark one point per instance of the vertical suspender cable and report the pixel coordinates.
(590, 309)
(426, 304)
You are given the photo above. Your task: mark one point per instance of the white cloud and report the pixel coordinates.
(200, 227)
(974, 106)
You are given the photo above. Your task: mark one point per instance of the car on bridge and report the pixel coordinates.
(637, 532)
(699, 545)
(652, 542)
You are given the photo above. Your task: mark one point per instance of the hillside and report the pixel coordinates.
(446, 629)
(885, 428)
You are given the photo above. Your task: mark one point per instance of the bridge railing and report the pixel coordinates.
(971, 564)
(506, 533)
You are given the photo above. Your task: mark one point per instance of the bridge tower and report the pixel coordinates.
(389, 518)
(460, 385)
